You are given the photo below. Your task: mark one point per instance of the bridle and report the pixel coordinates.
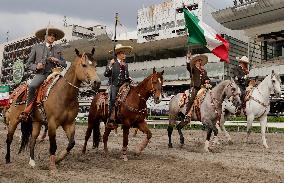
(152, 90)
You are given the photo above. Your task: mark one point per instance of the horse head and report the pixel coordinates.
(275, 83)
(86, 69)
(233, 92)
(155, 85)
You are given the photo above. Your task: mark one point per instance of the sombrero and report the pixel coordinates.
(243, 59)
(204, 59)
(121, 48)
(40, 34)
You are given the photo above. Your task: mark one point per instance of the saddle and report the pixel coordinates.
(252, 84)
(19, 95)
(195, 108)
(122, 93)
(182, 100)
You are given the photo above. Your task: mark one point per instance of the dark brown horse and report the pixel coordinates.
(61, 108)
(133, 110)
(98, 112)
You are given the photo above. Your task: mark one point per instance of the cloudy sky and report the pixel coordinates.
(22, 17)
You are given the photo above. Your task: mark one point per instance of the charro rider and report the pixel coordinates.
(117, 72)
(198, 75)
(42, 59)
(241, 76)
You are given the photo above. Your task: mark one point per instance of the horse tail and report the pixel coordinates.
(26, 129)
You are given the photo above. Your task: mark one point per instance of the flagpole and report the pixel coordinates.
(114, 38)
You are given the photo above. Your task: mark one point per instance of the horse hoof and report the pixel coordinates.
(96, 150)
(32, 163)
(53, 172)
(170, 145)
(124, 157)
(266, 146)
(181, 145)
(206, 150)
(8, 161)
(83, 151)
(94, 147)
(230, 142)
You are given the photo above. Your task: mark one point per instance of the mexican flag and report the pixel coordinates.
(202, 34)
(4, 95)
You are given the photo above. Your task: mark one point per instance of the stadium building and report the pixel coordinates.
(263, 23)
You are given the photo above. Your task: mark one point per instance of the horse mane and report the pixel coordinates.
(144, 81)
(218, 90)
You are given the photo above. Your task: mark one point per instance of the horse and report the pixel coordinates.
(223, 97)
(132, 110)
(257, 104)
(98, 112)
(60, 108)
(177, 111)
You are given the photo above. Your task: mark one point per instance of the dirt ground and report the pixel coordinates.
(239, 162)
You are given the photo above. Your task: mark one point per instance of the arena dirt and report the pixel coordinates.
(239, 162)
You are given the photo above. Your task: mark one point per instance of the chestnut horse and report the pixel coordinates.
(61, 108)
(133, 110)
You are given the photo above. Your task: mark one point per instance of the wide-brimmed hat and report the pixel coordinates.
(120, 48)
(204, 59)
(243, 59)
(40, 34)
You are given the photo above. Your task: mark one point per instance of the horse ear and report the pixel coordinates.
(77, 52)
(93, 51)
(154, 70)
(162, 72)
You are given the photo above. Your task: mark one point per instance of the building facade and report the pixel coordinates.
(263, 22)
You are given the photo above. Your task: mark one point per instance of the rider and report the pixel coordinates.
(241, 76)
(198, 75)
(117, 72)
(42, 59)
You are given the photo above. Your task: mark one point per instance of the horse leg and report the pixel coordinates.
(105, 139)
(170, 131)
(206, 146)
(11, 130)
(35, 134)
(125, 142)
(179, 128)
(263, 123)
(250, 119)
(215, 138)
(52, 145)
(44, 133)
(69, 129)
(96, 135)
(227, 135)
(143, 127)
(87, 136)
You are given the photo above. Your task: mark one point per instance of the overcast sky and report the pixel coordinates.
(23, 17)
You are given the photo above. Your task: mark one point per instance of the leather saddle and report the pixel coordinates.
(195, 108)
(19, 95)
